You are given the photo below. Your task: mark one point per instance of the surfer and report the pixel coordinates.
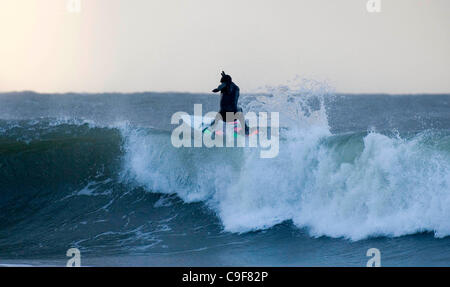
(228, 104)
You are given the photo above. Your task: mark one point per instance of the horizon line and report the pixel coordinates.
(210, 93)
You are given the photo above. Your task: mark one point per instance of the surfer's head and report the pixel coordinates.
(225, 78)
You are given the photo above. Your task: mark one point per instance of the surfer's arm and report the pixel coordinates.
(219, 88)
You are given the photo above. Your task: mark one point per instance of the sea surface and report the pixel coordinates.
(98, 172)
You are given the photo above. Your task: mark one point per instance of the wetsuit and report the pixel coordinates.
(228, 102)
(229, 98)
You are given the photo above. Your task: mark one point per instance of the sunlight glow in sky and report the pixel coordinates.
(182, 45)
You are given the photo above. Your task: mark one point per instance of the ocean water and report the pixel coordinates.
(98, 172)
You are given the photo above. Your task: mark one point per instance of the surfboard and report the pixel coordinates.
(197, 122)
(200, 123)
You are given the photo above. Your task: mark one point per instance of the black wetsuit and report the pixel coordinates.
(229, 99)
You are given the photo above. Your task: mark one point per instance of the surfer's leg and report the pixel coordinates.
(214, 122)
(240, 116)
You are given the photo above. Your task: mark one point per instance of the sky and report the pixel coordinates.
(182, 45)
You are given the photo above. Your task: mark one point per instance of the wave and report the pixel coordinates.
(353, 185)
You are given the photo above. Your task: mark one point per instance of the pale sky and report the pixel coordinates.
(182, 45)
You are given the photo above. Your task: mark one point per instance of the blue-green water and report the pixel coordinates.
(98, 172)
